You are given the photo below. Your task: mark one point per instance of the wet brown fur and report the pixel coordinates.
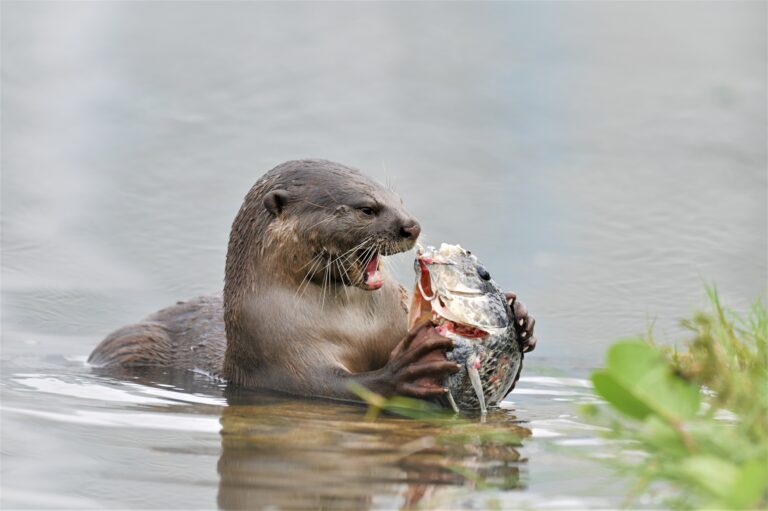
(265, 331)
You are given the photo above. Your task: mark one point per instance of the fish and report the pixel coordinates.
(456, 292)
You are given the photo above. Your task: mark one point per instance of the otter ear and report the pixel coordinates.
(275, 201)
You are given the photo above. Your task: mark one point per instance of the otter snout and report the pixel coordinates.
(410, 230)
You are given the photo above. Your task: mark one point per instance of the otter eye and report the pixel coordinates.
(367, 211)
(483, 273)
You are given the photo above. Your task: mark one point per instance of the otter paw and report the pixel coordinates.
(524, 323)
(418, 364)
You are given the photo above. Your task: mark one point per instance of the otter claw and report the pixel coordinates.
(524, 322)
(422, 391)
(437, 368)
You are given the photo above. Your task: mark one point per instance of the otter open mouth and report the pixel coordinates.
(372, 277)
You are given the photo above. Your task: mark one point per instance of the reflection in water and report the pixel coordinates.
(291, 453)
(199, 444)
(315, 454)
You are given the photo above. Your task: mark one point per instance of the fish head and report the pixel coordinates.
(456, 291)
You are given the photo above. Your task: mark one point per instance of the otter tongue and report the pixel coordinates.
(373, 277)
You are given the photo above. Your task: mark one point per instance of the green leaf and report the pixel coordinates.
(668, 394)
(629, 360)
(416, 408)
(637, 381)
(662, 437)
(717, 476)
(618, 395)
(750, 486)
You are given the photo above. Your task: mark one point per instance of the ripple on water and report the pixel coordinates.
(279, 450)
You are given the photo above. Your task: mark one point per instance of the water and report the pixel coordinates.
(604, 160)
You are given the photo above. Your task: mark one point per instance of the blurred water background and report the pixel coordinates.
(603, 159)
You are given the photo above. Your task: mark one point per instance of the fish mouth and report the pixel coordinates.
(422, 308)
(446, 326)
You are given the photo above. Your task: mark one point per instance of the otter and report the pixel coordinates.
(307, 307)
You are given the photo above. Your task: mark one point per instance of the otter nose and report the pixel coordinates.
(410, 232)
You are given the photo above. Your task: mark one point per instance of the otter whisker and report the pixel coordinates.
(342, 270)
(316, 263)
(311, 261)
(318, 259)
(326, 281)
(358, 246)
(352, 253)
(310, 273)
(364, 259)
(301, 290)
(347, 264)
(322, 289)
(327, 278)
(373, 252)
(358, 258)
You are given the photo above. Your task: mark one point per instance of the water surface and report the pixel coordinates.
(603, 159)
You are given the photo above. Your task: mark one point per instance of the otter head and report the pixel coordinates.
(340, 222)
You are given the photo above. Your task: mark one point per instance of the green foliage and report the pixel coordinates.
(447, 426)
(400, 405)
(698, 416)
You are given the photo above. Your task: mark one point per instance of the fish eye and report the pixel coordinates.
(483, 273)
